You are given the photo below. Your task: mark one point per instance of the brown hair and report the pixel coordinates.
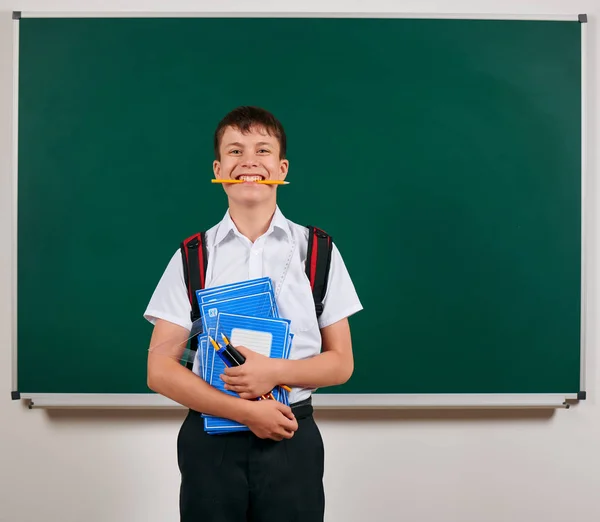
(244, 118)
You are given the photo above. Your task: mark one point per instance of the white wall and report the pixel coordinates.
(415, 466)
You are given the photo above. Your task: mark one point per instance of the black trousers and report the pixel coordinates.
(237, 477)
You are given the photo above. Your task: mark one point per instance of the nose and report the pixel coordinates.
(249, 161)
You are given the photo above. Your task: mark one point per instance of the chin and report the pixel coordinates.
(249, 200)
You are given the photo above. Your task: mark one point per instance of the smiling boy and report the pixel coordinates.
(274, 472)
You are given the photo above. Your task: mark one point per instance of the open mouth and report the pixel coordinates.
(250, 177)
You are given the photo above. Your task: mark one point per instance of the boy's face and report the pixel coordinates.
(250, 156)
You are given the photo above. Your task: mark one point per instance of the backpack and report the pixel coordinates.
(195, 261)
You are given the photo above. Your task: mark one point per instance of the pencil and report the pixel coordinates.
(261, 182)
(237, 354)
(233, 361)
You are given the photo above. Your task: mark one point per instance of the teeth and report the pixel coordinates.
(250, 178)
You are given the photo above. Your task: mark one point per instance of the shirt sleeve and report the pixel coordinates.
(341, 299)
(169, 300)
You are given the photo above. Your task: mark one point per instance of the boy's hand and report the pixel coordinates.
(252, 379)
(269, 419)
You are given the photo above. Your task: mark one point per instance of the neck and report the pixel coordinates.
(252, 222)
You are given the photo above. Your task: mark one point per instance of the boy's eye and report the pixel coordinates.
(264, 151)
(234, 151)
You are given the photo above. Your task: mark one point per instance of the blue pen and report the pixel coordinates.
(223, 354)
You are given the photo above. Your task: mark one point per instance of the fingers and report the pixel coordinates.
(235, 371)
(290, 422)
(242, 349)
(283, 434)
(231, 380)
(290, 419)
(242, 391)
(237, 389)
(286, 410)
(237, 384)
(293, 425)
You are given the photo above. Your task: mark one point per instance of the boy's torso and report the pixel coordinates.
(279, 254)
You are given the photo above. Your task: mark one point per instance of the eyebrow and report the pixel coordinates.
(238, 144)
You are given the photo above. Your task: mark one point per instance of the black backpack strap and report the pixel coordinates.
(195, 261)
(318, 260)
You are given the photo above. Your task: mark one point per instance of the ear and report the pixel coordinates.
(284, 166)
(217, 169)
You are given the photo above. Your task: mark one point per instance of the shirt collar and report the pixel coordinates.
(227, 226)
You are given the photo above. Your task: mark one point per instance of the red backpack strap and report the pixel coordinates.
(195, 261)
(318, 260)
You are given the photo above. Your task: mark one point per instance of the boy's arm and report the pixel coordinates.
(333, 366)
(260, 374)
(166, 375)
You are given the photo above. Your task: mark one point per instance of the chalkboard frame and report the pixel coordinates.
(323, 401)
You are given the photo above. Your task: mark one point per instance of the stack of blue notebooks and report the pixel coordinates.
(246, 312)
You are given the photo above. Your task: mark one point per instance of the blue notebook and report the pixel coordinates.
(247, 314)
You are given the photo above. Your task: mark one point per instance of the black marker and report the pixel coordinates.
(233, 352)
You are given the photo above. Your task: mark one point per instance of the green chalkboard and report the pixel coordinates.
(443, 156)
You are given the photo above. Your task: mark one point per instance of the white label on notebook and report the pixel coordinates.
(260, 342)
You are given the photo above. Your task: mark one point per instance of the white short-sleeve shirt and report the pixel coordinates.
(280, 254)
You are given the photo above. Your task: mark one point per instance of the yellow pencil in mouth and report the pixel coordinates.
(260, 182)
